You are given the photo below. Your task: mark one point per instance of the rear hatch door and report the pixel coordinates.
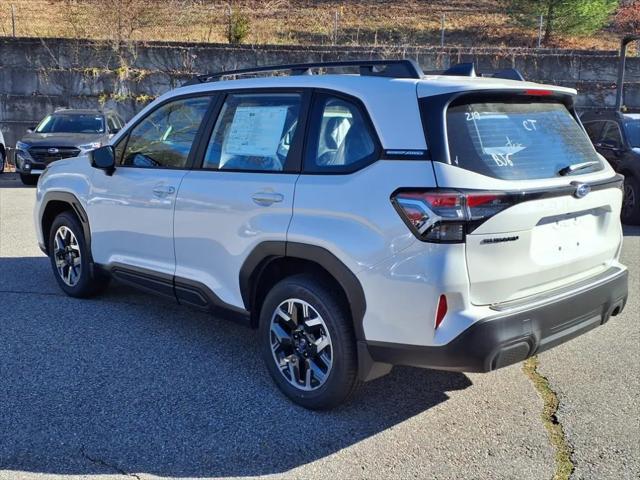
(560, 223)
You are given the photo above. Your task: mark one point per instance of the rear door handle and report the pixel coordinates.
(163, 190)
(267, 198)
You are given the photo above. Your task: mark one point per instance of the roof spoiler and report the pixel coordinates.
(621, 66)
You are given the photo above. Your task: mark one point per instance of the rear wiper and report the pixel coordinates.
(569, 169)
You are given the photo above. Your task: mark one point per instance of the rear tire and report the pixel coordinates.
(631, 202)
(307, 342)
(3, 161)
(71, 260)
(28, 179)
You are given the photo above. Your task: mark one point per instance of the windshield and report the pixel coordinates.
(71, 123)
(632, 127)
(517, 141)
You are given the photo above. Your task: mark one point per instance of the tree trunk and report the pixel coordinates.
(548, 27)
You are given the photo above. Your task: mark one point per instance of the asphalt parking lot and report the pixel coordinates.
(130, 384)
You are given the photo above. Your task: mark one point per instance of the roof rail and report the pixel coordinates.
(405, 68)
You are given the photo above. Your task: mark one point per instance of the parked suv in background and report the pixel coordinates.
(616, 136)
(63, 134)
(358, 221)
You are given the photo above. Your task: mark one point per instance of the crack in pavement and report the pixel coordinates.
(99, 461)
(557, 437)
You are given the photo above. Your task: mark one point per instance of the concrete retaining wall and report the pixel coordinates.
(39, 75)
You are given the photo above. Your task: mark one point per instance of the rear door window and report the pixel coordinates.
(517, 141)
(254, 132)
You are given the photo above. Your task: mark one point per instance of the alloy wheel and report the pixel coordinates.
(301, 344)
(67, 256)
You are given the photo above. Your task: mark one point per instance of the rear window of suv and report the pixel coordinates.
(517, 141)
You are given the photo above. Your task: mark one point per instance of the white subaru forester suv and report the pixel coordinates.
(359, 221)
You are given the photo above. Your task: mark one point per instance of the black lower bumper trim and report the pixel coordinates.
(510, 337)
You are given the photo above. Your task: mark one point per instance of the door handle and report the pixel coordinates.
(267, 198)
(163, 190)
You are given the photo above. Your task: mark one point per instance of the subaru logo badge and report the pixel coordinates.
(53, 150)
(582, 190)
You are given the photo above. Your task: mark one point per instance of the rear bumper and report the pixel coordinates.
(517, 331)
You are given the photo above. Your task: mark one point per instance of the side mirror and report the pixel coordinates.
(104, 158)
(114, 131)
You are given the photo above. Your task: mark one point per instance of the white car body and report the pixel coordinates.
(200, 227)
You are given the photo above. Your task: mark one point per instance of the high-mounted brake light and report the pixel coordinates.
(446, 216)
(538, 93)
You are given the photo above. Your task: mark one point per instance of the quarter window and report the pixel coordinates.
(254, 132)
(340, 137)
(165, 137)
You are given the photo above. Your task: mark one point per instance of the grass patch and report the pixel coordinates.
(564, 464)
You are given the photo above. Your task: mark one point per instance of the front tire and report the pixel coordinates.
(631, 201)
(28, 179)
(307, 342)
(3, 161)
(70, 258)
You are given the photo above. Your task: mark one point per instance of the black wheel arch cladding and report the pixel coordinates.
(265, 252)
(72, 204)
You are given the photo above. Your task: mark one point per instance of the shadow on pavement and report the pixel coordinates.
(132, 383)
(631, 230)
(12, 180)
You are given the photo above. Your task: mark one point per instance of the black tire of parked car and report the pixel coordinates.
(90, 283)
(342, 381)
(631, 208)
(3, 161)
(28, 179)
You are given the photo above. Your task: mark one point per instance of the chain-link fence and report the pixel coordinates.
(310, 22)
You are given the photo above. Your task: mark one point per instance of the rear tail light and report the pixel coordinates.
(446, 216)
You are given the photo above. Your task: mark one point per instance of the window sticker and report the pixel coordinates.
(255, 131)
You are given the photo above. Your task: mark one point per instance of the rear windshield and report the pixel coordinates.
(517, 141)
(72, 123)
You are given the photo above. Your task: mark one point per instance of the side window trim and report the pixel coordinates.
(295, 157)
(318, 95)
(214, 99)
